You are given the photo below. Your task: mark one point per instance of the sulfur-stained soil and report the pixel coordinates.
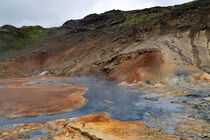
(94, 127)
(17, 99)
(177, 110)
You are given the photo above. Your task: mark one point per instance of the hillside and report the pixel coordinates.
(118, 45)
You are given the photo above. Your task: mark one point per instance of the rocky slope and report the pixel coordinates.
(118, 45)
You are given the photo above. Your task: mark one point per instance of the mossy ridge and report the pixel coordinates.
(137, 17)
(178, 10)
(19, 38)
(134, 19)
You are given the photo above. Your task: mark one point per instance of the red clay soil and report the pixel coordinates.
(17, 101)
(141, 66)
(34, 61)
(12, 69)
(94, 127)
(23, 66)
(20, 81)
(101, 126)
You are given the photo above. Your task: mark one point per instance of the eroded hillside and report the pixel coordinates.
(133, 45)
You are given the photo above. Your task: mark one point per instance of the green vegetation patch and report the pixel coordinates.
(135, 19)
(62, 74)
(12, 38)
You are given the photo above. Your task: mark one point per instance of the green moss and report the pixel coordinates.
(187, 7)
(62, 74)
(135, 19)
(12, 38)
(138, 17)
(4, 30)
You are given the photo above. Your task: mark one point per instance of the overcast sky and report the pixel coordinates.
(49, 13)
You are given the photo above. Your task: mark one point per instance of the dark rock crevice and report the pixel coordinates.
(85, 134)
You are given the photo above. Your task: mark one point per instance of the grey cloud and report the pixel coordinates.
(50, 13)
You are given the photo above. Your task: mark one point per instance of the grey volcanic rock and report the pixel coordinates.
(95, 21)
